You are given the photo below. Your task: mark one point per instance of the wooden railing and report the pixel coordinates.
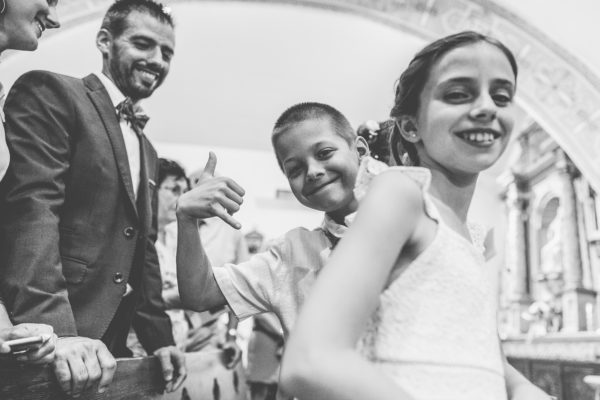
(563, 379)
(135, 378)
(593, 381)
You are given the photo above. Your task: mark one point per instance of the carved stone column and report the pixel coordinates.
(518, 296)
(575, 298)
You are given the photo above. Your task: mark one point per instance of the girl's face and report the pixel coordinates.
(466, 110)
(24, 21)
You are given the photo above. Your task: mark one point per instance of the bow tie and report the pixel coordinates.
(133, 114)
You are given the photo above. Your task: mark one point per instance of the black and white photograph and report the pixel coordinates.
(299, 200)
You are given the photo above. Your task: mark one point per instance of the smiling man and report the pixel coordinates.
(79, 202)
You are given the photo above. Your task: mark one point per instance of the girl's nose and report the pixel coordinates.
(485, 109)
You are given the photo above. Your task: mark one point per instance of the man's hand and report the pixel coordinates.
(211, 196)
(40, 354)
(172, 361)
(232, 354)
(81, 363)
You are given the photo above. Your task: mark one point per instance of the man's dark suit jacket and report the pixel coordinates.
(72, 233)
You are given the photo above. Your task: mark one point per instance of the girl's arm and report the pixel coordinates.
(320, 361)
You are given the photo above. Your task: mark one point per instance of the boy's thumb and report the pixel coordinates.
(211, 164)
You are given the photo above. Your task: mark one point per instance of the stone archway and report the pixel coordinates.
(556, 89)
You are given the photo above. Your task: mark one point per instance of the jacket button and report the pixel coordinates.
(118, 278)
(129, 232)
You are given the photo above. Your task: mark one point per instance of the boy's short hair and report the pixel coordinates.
(168, 168)
(115, 17)
(310, 111)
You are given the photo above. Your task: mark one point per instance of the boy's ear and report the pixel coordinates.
(407, 125)
(103, 41)
(362, 147)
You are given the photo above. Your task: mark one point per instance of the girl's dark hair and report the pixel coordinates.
(412, 81)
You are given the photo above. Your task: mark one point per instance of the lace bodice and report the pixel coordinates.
(434, 331)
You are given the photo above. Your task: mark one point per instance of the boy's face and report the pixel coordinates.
(320, 166)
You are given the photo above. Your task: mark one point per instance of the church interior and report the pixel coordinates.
(239, 63)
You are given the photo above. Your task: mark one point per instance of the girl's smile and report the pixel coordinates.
(466, 109)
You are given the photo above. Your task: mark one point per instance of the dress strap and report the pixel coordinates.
(370, 168)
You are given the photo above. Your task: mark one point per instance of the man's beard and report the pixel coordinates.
(126, 82)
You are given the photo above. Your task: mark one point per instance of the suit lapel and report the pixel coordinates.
(99, 97)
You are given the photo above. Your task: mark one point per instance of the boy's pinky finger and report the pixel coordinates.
(224, 215)
(231, 221)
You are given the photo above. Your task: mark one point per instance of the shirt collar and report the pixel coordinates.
(337, 230)
(114, 93)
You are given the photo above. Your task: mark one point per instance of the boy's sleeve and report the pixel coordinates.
(249, 287)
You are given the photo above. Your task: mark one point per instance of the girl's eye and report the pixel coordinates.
(502, 98)
(457, 96)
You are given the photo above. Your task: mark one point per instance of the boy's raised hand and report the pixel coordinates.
(212, 196)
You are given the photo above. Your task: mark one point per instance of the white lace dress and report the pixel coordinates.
(435, 331)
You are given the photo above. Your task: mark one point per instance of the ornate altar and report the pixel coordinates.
(549, 318)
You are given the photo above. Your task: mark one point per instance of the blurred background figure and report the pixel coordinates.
(191, 331)
(172, 183)
(265, 345)
(377, 135)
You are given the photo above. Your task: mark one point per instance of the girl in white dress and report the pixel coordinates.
(411, 269)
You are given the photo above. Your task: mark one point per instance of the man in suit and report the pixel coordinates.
(78, 212)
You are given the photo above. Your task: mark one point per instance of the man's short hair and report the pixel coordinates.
(167, 168)
(310, 111)
(115, 18)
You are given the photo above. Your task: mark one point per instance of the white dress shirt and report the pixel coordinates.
(132, 142)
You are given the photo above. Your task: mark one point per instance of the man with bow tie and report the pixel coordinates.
(78, 213)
